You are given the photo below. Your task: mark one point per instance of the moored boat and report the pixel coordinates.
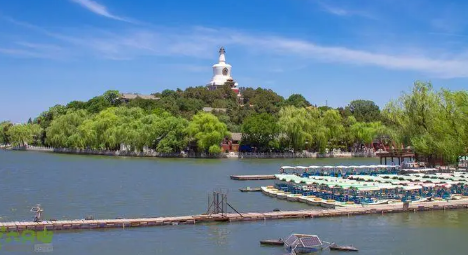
(376, 202)
(293, 197)
(328, 204)
(303, 244)
(278, 242)
(249, 189)
(282, 195)
(335, 247)
(314, 201)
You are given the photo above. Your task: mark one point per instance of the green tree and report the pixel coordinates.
(434, 123)
(163, 132)
(333, 128)
(46, 117)
(364, 110)
(208, 132)
(112, 97)
(63, 131)
(297, 100)
(297, 124)
(146, 104)
(97, 104)
(24, 134)
(261, 131)
(4, 127)
(264, 100)
(366, 132)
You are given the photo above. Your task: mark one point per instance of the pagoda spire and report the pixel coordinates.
(222, 58)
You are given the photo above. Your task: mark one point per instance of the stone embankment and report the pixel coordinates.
(235, 155)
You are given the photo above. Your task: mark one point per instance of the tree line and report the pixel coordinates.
(433, 122)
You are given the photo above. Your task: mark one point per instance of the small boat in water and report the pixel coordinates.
(278, 242)
(335, 247)
(249, 189)
(303, 244)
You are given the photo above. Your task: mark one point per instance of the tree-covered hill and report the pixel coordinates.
(435, 123)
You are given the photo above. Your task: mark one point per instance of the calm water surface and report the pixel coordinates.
(72, 186)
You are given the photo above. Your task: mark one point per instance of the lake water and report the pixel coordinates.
(74, 186)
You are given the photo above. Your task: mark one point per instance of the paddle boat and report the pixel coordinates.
(303, 244)
(293, 197)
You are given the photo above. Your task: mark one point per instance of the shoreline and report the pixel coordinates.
(229, 155)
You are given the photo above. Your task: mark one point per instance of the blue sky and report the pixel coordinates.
(56, 51)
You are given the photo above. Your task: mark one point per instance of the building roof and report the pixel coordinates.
(236, 136)
(131, 96)
(210, 109)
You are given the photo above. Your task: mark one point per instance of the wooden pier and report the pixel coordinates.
(230, 217)
(396, 154)
(253, 177)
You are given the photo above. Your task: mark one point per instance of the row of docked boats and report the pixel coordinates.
(331, 191)
(308, 199)
(340, 170)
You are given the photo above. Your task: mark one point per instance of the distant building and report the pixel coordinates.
(222, 74)
(126, 97)
(232, 144)
(211, 109)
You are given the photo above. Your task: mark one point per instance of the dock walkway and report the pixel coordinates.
(231, 217)
(253, 177)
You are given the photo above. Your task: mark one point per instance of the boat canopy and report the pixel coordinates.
(299, 240)
(370, 188)
(414, 187)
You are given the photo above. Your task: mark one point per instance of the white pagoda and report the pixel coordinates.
(222, 73)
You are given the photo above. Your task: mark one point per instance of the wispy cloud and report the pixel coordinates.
(23, 49)
(449, 66)
(343, 11)
(100, 10)
(335, 10)
(199, 42)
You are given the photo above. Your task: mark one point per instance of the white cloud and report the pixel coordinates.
(100, 9)
(25, 49)
(199, 42)
(342, 11)
(448, 67)
(335, 10)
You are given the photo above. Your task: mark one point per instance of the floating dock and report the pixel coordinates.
(230, 217)
(248, 189)
(253, 177)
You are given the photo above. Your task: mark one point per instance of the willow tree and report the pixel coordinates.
(24, 134)
(164, 132)
(296, 126)
(208, 132)
(333, 123)
(433, 122)
(108, 129)
(63, 131)
(366, 132)
(4, 126)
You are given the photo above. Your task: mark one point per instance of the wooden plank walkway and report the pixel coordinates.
(252, 177)
(230, 217)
